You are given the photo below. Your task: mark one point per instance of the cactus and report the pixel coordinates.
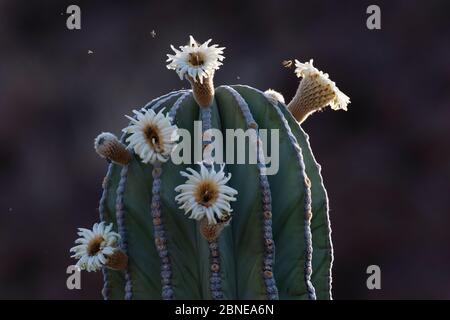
(274, 244)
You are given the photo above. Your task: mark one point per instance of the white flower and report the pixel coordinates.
(307, 70)
(196, 61)
(205, 193)
(153, 137)
(95, 246)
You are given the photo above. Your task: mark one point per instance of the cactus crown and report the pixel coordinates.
(205, 230)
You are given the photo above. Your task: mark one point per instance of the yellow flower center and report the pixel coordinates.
(206, 193)
(152, 136)
(94, 245)
(196, 59)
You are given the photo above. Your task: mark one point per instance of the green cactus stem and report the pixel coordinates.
(272, 210)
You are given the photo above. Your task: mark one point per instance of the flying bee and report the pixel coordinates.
(287, 63)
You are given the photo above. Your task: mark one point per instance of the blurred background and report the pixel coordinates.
(386, 162)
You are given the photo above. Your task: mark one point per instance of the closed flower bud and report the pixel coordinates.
(274, 96)
(108, 146)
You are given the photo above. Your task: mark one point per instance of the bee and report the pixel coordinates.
(287, 63)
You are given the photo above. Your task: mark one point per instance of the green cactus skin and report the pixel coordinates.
(295, 249)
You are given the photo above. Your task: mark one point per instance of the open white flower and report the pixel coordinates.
(196, 61)
(94, 247)
(153, 137)
(205, 194)
(318, 79)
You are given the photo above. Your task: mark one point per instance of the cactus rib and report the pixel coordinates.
(308, 213)
(163, 99)
(215, 279)
(120, 216)
(329, 242)
(321, 220)
(159, 234)
(102, 216)
(177, 104)
(269, 254)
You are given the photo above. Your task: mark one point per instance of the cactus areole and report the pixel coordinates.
(209, 229)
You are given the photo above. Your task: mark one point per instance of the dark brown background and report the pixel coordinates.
(386, 161)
